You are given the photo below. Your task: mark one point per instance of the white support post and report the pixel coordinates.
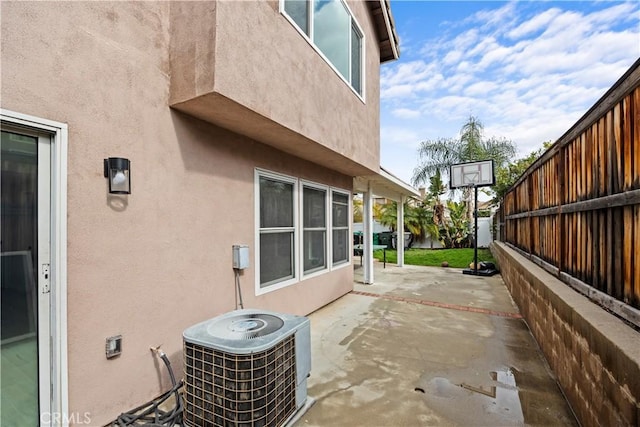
(367, 238)
(400, 233)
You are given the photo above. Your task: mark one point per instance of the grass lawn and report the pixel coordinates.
(457, 258)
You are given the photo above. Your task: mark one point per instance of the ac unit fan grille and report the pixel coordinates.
(225, 389)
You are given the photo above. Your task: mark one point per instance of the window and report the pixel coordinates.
(277, 230)
(302, 229)
(356, 54)
(332, 29)
(298, 10)
(340, 227)
(314, 236)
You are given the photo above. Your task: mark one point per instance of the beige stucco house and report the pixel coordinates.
(245, 123)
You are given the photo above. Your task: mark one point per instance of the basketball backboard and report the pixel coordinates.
(472, 174)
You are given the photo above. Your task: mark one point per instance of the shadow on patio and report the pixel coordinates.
(428, 346)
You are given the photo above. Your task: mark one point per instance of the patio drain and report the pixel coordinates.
(441, 305)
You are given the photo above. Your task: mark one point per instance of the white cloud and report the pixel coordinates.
(615, 14)
(400, 136)
(397, 91)
(501, 17)
(466, 40)
(480, 88)
(452, 57)
(497, 54)
(482, 47)
(405, 113)
(534, 24)
(528, 71)
(409, 72)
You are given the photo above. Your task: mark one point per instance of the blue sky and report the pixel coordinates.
(528, 70)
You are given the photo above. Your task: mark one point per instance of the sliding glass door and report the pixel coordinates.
(25, 216)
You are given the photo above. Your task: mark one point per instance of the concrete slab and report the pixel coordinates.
(428, 346)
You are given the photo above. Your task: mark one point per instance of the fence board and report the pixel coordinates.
(578, 206)
(636, 264)
(608, 252)
(636, 142)
(602, 164)
(617, 134)
(589, 228)
(597, 254)
(628, 255)
(626, 137)
(611, 164)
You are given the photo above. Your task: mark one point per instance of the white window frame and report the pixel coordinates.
(347, 261)
(327, 246)
(59, 391)
(298, 195)
(308, 38)
(296, 249)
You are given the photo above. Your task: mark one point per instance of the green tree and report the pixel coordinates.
(456, 227)
(436, 186)
(434, 204)
(508, 174)
(417, 218)
(388, 215)
(438, 155)
(357, 209)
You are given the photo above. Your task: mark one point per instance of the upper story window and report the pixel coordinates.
(332, 29)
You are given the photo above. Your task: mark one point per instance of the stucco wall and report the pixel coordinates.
(150, 264)
(269, 83)
(594, 355)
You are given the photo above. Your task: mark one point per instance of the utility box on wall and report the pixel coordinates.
(240, 257)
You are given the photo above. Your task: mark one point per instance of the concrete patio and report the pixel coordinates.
(428, 346)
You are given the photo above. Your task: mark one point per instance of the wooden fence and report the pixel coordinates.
(576, 210)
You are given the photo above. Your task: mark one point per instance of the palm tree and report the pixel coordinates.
(457, 226)
(357, 209)
(433, 202)
(387, 215)
(438, 155)
(417, 217)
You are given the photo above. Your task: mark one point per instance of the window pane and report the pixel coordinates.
(298, 10)
(340, 210)
(314, 208)
(340, 198)
(276, 257)
(340, 245)
(356, 60)
(314, 250)
(276, 203)
(331, 29)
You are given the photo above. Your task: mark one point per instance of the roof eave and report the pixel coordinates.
(386, 24)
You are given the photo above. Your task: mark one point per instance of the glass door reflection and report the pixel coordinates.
(18, 271)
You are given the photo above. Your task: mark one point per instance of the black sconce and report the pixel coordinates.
(118, 170)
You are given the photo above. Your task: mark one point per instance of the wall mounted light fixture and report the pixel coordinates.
(118, 171)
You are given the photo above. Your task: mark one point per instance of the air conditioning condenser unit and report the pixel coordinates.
(246, 368)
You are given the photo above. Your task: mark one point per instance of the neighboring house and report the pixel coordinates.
(242, 127)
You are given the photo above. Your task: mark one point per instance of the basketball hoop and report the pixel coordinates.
(473, 175)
